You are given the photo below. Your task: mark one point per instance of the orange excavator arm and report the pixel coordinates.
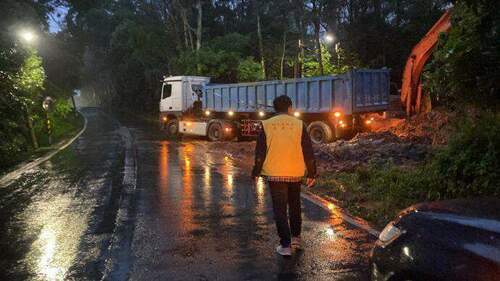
(411, 90)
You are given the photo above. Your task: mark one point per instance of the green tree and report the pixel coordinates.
(30, 82)
(31, 77)
(249, 70)
(466, 65)
(342, 63)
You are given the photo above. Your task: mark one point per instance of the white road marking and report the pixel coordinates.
(118, 262)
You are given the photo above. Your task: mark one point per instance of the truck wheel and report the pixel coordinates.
(320, 132)
(172, 127)
(215, 132)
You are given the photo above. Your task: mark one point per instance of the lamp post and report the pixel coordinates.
(47, 106)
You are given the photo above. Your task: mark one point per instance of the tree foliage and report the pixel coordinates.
(130, 45)
(28, 72)
(31, 76)
(249, 70)
(466, 65)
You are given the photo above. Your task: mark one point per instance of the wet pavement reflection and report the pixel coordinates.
(195, 215)
(200, 217)
(56, 219)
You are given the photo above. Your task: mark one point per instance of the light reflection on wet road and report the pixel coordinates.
(197, 216)
(215, 224)
(57, 219)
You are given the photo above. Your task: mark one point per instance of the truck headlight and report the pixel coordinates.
(389, 234)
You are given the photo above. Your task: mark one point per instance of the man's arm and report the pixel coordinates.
(308, 152)
(260, 153)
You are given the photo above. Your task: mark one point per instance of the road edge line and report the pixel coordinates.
(10, 176)
(339, 211)
(117, 262)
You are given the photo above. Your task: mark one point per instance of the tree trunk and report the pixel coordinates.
(283, 56)
(377, 7)
(185, 28)
(29, 123)
(300, 53)
(261, 46)
(188, 38)
(316, 33)
(199, 25)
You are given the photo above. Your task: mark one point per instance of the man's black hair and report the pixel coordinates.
(282, 103)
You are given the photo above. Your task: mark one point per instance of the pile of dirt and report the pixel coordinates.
(398, 141)
(430, 128)
(367, 148)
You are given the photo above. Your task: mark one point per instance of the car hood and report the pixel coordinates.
(480, 212)
(483, 208)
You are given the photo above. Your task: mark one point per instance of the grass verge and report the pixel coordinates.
(467, 167)
(63, 128)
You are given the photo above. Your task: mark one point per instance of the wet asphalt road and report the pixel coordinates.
(122, 204)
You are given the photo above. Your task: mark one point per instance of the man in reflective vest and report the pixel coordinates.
(284, 157)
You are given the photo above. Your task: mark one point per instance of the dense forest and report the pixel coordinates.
(130, 45)
(117, 51)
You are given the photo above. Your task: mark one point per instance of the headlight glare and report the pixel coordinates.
(389, 234)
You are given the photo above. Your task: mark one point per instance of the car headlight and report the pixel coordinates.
(389, 234)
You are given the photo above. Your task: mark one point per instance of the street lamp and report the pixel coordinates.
(27, 35)
(329, 38)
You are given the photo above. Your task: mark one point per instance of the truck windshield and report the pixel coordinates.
(166, 91)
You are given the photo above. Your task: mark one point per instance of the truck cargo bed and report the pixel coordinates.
(357, 91)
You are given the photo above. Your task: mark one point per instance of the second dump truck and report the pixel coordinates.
(332, 107)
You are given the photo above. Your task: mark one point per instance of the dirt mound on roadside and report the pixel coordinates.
(366, 148)
(429, 128)
(398, 141)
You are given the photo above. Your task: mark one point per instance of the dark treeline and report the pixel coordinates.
(130, 45)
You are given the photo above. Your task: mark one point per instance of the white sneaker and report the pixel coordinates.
(297, 243)
(284, 251)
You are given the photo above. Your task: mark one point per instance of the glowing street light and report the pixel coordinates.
(329, 38)
(27, 35)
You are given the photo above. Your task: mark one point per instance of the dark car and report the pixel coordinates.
(447, 240)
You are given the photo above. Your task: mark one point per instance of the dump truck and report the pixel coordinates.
(332, 107)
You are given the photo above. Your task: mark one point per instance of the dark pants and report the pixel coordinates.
(286, 194)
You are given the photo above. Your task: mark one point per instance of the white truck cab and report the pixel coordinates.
(179, 92)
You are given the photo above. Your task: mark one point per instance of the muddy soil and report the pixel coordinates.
(398, 141)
